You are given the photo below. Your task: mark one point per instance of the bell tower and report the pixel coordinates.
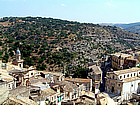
(18, 61)
(18, 55)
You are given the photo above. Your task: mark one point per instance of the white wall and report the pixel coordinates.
(129, 88)
(131, 74)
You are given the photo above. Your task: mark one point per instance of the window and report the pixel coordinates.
(113, 77)
(9, 86)
(63, 97)
(72, 96)
(119, 85)
(52, 98)
(120, 77)
(112, 90)
(127, 75)
(124, 76)
(134, 74)
(131, 75)
(32, 73)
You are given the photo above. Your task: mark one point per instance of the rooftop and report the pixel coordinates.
(27, 101)
(5, 76)
(48, 92)
(16, 71)
(131, 79)
(96, 69)
(78, 80)
(41, 85)
(19, 101)
(65, 85)
(10, 66)
(122, 55)
(34, 80)
(53, 73)
(119, 72)
(22, 91)
(138, 52)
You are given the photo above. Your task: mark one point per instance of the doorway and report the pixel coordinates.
(112, 89)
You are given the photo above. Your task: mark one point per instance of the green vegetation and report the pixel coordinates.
(80, 72)
(60, 45)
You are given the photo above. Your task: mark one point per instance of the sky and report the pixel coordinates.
(89, 11)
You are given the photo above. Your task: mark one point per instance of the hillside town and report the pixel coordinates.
(113, 80)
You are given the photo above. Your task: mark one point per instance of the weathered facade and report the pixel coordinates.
(122, 61)
(95, 73)
(86, 83)
(123, 82)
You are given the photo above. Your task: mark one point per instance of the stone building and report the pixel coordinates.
(95, 73)
(18, 61)
(122, 61)
(4, 93)
(6, 80)
(66, 91)
(86, 83)
(123, 82)
(53, 77)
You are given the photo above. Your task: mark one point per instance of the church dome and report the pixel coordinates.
(18, 52)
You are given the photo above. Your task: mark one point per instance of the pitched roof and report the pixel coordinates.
(34, 80)
(96, 69)
(48, 92)
(23, 101)
(67, 86)
(5, 76)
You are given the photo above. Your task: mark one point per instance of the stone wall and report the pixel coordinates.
(4, 93)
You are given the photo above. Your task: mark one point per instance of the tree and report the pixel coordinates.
(5, 57)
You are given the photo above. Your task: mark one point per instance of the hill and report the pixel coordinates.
(60, 45)
(132, 27)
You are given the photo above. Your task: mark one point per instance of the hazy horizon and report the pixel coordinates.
(84, 11)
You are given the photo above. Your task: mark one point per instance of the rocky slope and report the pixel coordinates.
(59, 45)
